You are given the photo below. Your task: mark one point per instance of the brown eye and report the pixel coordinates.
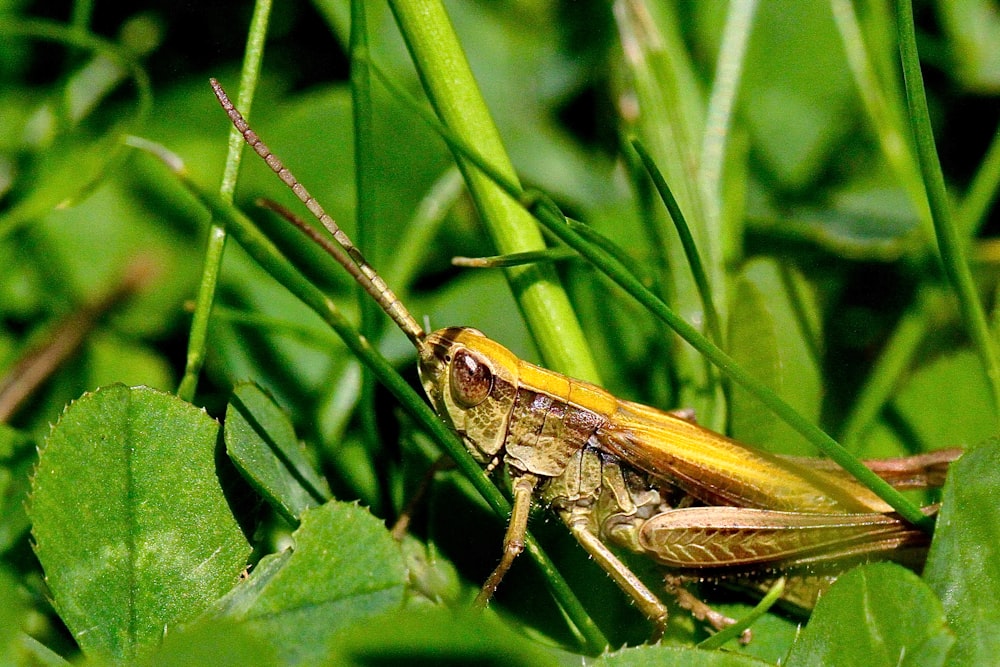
(471, 380)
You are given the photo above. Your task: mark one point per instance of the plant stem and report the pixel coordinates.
(198, 340)
(452, 90)
(950, 244)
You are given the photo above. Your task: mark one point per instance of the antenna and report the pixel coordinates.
(346, 253)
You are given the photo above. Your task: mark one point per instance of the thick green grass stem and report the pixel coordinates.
(455, 96)
(950, 245)
(215, 247)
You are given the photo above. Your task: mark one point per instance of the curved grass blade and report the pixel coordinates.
(198, 339)
(950, 245)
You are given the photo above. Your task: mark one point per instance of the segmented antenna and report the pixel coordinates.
(347, 254)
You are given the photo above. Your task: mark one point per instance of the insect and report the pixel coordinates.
(621, 473)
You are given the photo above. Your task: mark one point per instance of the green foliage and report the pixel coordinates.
(344, 568)
(907, 628)
(957, 567)
(782, 130)
(126, 554)
(261, 443)
(771, 329)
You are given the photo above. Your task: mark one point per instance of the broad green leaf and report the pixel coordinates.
(261, 441)
(440, 635)
(130, 523)
(669, 656)
(754, 346)
(344, 567)
(797, 93)
(219, 643)
(962, 564)
(770, 330)
(880, 614)
(949, 386)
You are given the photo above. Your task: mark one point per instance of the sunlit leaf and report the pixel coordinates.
(130, 522)
(344, 567)
(960, 567)
(261, 442)
(771, 334)
(880, 614)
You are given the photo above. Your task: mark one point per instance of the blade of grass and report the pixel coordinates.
(517, 259)
(198, 339)
(982, 193)
(885, 120)
(455, 96)
(669, 99)
(365, 179)
(704, 289)
(719, 112)
(687, 241)
(668, 114)
(720, 638)
(950, 245)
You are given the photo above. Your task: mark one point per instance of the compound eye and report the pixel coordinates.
(471, 380)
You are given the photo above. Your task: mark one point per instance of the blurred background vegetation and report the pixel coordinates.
(805, 199)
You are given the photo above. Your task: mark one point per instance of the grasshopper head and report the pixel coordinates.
(471, 381)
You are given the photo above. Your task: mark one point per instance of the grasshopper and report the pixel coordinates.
(650, 481)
